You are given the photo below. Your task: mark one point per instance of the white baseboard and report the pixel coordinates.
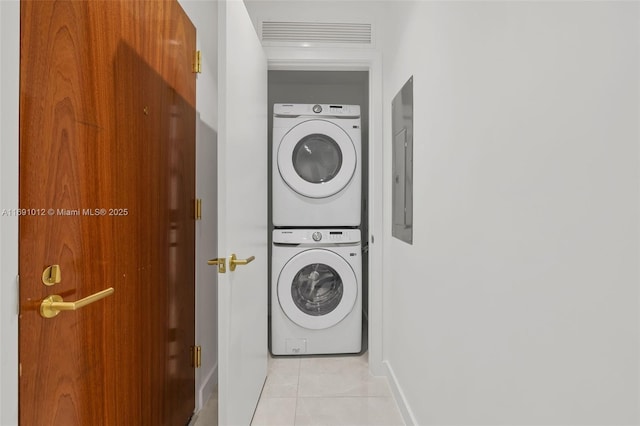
(208, 386)
(398, 393)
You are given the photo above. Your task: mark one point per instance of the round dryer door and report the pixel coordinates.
(317, 158)
(317, 289)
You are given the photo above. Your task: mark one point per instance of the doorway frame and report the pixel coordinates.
(350, 59)
(9, 177)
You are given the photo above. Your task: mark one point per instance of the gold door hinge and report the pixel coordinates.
(196, 356)
(197, 62)
(198, 209)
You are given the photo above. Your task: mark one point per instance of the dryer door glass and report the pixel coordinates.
(317, 289)
(317, 158)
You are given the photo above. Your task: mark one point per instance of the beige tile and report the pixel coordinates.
(349, 411)
(348, 383)
(330, 391)
(275, 412)
(208, 416)
(339, 376)
(337, 365)
(282, 378)
(280, 385)
(284, 365)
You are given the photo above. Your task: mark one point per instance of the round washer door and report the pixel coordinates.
(317, 158)
(317, 289)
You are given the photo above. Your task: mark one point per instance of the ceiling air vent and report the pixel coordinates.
(315, 32)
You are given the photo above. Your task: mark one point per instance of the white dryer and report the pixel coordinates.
(316, 292)
(316, 165)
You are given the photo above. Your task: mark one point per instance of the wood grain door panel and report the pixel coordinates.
(107, 121)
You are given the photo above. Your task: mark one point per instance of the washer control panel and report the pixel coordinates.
(316, 236)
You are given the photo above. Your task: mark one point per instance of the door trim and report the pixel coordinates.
(323, 59)
(9, 177)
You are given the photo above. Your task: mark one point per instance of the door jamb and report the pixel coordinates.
(304, 59)
(9, 176)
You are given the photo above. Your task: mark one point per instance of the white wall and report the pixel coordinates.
(204, 15)
(9, 96)
(518, 301)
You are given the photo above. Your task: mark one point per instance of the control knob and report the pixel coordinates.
(317, 236)
(317, 109)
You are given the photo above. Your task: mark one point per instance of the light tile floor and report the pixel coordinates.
(208, 416)
(329, 391)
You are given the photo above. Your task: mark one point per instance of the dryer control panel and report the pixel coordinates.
(334, 110)
(316, 236)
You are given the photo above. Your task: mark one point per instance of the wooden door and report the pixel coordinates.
(107, 163)
(242, 215)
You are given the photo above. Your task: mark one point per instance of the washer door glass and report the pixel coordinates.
(317, 289)
(317, 158)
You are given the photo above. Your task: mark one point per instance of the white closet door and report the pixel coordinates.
(242, 222)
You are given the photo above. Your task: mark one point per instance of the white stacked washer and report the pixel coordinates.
(316, 291)
(316, 165)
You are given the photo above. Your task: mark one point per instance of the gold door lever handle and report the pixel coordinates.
(234, 261)
(52, 305)
(220, 261)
